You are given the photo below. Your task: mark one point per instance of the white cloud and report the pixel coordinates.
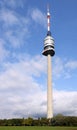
(3, 52)
(12, 3)
(71, 65)
(58, 67)
(14, 25)
(14, 28)
(39, 17)
(14, 41)
(16, 3)
(14, 76)
(20, 90)
(21, 95)
(65, 102)
(63, 68)
(8, 17)
(11, 18)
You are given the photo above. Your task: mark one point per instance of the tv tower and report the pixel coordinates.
(49, 51)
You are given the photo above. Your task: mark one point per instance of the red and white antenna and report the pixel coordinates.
(48, 18)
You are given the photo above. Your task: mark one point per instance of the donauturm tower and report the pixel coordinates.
(49, 51)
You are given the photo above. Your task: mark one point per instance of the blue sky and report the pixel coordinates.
(23, 68)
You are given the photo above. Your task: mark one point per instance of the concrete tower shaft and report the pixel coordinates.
(49, 90)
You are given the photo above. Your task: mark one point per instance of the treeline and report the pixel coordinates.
(58, 120)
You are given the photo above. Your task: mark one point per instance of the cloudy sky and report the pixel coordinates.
(23, 68)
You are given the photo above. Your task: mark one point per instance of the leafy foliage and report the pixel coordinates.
(58, 120)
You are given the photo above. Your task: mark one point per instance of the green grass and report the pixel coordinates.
(36, 128)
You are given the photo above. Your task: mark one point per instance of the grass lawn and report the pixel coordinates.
(36, 128)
